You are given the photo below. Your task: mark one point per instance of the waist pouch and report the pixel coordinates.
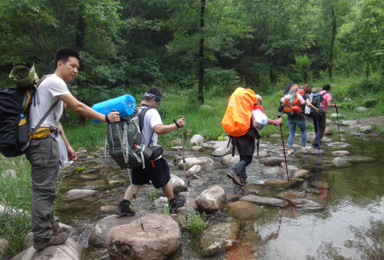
(157, 151)
(43, 132)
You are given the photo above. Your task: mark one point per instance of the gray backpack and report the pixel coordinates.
(125, 144)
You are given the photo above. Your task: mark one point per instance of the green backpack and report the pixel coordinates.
(125, 144)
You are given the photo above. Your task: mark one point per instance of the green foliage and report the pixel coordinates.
(194, 221)
(302, 66)
(154, 194)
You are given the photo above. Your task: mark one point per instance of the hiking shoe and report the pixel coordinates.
(235, 178)
(244, 181)
(124, 209)
(55, 239)
(290, 151)
(176, 203)
(58, 230)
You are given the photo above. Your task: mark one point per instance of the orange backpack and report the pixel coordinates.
(237, 119)
(293, 104)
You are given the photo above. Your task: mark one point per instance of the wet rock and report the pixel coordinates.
(196, 169)
(265, 201)
(339, 161)
(221, 151)
(209, 145)
(10, 172)
(257, 189)
(229, 159)
(160, 202)
(99, 233)
(338, 145)
(82, 153)
(273, 171)
(89, 176)
(301, 173)
(335, 115)
(219, 238)
(177, 148)
(340, 153)
(197, 148)
(189, 162)
(328, 131)
(177, 183)
(107, 209)
(359, 158)
(212, 199)
(311, 136)
(280, 183)
(161, 237)
(197, 139)
(68, 251)
(311, 150)
(113, 182)
(76, 194)
(290, 167)
(362, 109)
(349, 122)
(272, 161)
(243, 211)
(326, 140)
(303, 200)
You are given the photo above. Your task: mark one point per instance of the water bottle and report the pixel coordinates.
(125, 105)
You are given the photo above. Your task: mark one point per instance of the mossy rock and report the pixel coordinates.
(80, 169)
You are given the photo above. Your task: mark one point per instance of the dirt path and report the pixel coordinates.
(378, 120)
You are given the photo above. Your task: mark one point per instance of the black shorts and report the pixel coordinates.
(159, 175)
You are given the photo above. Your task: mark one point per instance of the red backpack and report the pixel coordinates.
(293, 104)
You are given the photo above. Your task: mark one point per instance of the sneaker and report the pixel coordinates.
(176, 203)
(58, 230)
(124, 209)
(235, 178)
(55, 239)
(290, 151)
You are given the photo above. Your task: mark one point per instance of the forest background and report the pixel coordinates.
(199, 51)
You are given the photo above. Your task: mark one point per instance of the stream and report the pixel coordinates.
(350, 226)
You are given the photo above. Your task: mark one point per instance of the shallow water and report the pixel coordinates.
(350, 227)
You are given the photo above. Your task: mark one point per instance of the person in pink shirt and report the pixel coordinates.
(327, 98)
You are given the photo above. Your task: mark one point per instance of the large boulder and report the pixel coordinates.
(273, 171)
(189, 162)
(195, 169)
(70, 250)
(274, 161)
(219, 238)
(221, 151)
(161, 237)
(99, 233)
(197, 139)
(178, 184)
(229, 159)
(301, 173)
(212, 199)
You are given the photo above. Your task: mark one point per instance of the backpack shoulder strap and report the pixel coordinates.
(141, 121)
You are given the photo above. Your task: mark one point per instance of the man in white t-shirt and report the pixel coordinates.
(156, 171)
(43, 152)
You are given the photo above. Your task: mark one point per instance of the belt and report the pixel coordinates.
(43, 132)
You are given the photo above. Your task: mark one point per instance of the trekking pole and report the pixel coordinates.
(185, 175)
(126, 161)
(282, 140)
(318, 134)
(338, 126)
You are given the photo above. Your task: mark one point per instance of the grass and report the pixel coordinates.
(195, 222)
(16, 196)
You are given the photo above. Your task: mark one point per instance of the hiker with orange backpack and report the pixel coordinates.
(237, 122)
(293, 106)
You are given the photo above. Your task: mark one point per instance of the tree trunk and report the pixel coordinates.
(200, 94)
(330, 69)
(80, 35)
(367, 70)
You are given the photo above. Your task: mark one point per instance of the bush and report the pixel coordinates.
(194, 221)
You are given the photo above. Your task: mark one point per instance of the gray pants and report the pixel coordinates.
(43, 154)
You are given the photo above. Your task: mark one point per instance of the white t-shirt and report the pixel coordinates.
(47, 92)
(151, 119)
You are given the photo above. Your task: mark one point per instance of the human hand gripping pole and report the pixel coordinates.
(282, 140)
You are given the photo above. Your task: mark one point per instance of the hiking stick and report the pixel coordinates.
(318, 134)
(126, 161)
(185, 175)
(282, 140)
(338, 127)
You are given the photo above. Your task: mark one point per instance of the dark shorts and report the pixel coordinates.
(245, 145)
(159, 175)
